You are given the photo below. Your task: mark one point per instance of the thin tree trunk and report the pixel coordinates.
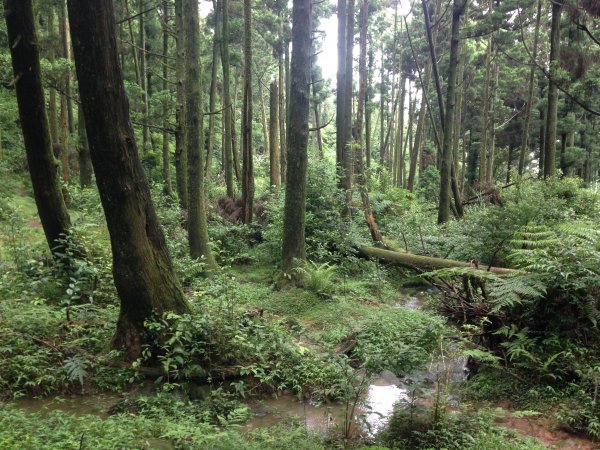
(142, 269)
(212, 101)
(85, 161)
(294, 244)
(490, 164)
(247, 119)
(143, 79)
(362, 99)
(274, 159)
(483, 154)
(551, 115)
(446, 160)
(347, 163)
(181, 157)
(341, 86)
(263, 115)
(52, 91)
(166, 157)
(529, 106)
(24, 49)
(227, 106)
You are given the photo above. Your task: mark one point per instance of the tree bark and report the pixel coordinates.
(529, 106)
(166, 154)
(43, 168)
(423, 262)
(212, 101)
(247, 120)
(274, 159)
(181, 158)
(142, 269)
(294, 244)
(228, 106)
(447, 148)
(197, 223)
(551, 114)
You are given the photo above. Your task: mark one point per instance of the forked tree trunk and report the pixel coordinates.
(43, 168)
(294, 244)
(142, 268)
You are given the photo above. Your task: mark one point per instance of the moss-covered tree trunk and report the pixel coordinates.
(181, 160)
(294, 245)
(447, 146)
(142, 269)
(247, 116)
(212, 101)
(43, 168)
(227, 104)
(197, 224)
(552, 111)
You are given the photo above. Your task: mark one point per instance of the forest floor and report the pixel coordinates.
(52, 402)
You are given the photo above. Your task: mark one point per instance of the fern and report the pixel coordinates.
(76, 367)
(508, 292)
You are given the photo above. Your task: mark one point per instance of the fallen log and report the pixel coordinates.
(424, 262)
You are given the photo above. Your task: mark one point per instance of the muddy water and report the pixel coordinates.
(369, 417)
(97, 405)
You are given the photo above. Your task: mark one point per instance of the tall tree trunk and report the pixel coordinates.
(446, 160)
(197, 224)
(212, 101)
(529, 106)
(551, 114)
(263, 115)
(143, 79)
(65, 84)
(227, 106)
(490, 164)
(274, 159)
(347, 163)
(281, 43)
(166, 156)
(43, 168)
(362, 99)
(142, 269)
(52, 91)
(247, 119)
(483, 154)
(341, 86)
(294, 244)
(181, 158)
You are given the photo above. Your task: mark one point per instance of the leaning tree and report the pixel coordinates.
(142, 269)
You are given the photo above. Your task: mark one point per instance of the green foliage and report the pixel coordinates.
(318, 278)
(399, 341)
(464, 430)
(205, 344)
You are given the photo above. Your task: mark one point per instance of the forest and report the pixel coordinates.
(301, 224)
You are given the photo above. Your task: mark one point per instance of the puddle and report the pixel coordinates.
(371, 414)
(81, 405)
